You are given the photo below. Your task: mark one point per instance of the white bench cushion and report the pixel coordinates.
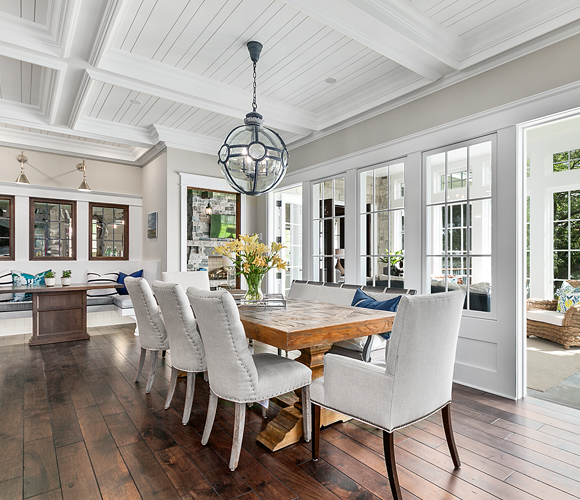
(551, 317)
(123, 301)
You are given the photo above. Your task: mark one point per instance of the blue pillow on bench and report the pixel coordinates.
(361, 299)
(122, 276)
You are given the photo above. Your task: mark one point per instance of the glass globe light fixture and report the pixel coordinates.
(253, 158)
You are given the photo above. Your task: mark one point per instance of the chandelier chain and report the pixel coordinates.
(254, 105)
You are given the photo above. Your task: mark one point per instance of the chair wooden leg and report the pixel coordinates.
(389, 447)
(265, 409)
(240, 420)
(141, 363)
(446, 414)
(211, 409)
(306, 414)
(315, 411)
(188, 397)
(163, 353)
(152, 370)
(172, 384)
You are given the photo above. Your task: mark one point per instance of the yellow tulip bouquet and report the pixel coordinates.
(252, 260)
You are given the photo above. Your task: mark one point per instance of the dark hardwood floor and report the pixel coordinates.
(73, 425)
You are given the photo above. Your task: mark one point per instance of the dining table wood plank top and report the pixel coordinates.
(310, 327)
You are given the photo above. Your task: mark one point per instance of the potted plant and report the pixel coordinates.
(65, 278)
(49, 279)
(253, 260)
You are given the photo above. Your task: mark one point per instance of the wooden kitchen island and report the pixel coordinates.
(59, 313)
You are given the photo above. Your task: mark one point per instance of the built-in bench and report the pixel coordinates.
(16, 317)
(343, 294)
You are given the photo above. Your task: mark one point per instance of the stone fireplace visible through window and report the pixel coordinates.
(212, 218)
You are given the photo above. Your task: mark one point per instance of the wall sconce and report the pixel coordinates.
(208, 209)
(22, 179)
(84, 185)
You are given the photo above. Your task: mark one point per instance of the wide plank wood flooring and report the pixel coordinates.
(74, 425)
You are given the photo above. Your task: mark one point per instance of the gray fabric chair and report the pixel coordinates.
(234, 373)
(187, 353)
(152, 335)
(413, 383)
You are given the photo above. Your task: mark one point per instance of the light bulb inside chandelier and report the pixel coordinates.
(253, 158)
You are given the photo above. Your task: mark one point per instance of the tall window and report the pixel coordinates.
(288, 230)
(6, 227)
(566, 237)
(52, 229)
(458, 248)
(329, 210)
(382, 225)
(109, 237)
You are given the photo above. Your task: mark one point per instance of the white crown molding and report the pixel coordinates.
(67, 23)
(536, 22)
(186, 140)
(84, 91)
(31, 56)
(115, 132)
(112, 19)
(365, 23)
(443, 83)
(149, 155)
(68, 147)
(523, 111)
(23, 114)
(134, 72)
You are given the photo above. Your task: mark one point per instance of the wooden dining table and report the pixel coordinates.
(59, 313)
(311, 328)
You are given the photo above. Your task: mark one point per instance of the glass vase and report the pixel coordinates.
(254, 282)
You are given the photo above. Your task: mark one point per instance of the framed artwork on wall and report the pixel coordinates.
(152, 225)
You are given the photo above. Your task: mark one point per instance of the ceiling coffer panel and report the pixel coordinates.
(21, 81)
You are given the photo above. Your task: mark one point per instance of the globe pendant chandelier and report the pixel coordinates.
(253, 158)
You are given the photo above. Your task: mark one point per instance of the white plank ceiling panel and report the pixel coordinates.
(20, 81)
(31, 10)
(468, 19)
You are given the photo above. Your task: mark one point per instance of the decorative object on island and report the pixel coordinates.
(49, 279)
(22, 179)
(253, 159)
(152, 225)
(253, 260)
(84, 185)
(65, 278)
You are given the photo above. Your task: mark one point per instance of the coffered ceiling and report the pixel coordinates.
(117, 79)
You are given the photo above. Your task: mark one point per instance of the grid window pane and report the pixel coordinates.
(108, 231)
(53, 230)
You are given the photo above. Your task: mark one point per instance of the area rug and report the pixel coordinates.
(549, 363)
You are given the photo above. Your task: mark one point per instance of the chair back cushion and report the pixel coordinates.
(152, 333)
(198, 279)
(187, 351)
(231, 369)
(421, 354)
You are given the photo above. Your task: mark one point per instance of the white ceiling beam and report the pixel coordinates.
(137, 73)
(114, 132)
(186, 140)
(392, 29)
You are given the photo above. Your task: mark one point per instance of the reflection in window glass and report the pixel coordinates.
(328, 228)
(382, 225)
(6, 227)
(108, 231)
(459, 218)
(53, 229)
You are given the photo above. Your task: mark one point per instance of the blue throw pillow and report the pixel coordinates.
(122, 276)
(361, 299)
(22, 279)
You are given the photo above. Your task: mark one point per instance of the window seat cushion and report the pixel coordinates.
(123, 301)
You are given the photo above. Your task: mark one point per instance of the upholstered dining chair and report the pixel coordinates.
(152, 334)
(413, 383)
(187, 353)
(234, 373)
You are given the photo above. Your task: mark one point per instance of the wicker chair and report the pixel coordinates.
(568, 334)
